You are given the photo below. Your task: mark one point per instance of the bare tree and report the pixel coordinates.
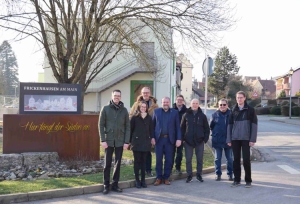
(82, 37)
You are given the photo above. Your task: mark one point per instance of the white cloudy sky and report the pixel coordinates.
(266, 41)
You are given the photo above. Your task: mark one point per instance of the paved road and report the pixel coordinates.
(277, 181)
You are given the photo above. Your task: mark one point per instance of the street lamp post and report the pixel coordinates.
(290, 75)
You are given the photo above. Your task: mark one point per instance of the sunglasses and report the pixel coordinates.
(222, 104)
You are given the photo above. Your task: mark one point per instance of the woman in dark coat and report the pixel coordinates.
(140, 137)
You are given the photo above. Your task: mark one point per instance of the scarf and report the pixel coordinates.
(117, 106)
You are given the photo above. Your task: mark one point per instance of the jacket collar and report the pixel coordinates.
(236, 107)
(189, 110)
(140, 98)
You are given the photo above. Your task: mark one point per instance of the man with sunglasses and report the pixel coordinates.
(218, 126)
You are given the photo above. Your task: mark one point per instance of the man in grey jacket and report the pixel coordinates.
(241, 135)
(114, 130)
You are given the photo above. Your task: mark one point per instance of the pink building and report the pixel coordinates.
(283, 82)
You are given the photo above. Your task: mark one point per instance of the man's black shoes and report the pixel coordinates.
(116, 189)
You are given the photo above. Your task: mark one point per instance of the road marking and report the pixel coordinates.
(289, 169)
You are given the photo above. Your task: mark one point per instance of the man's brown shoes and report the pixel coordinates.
(157, 182)
(167, 182)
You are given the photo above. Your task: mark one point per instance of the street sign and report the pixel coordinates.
(255, 95)
(210, 66)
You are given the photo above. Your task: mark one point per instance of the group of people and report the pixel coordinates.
(168, 130)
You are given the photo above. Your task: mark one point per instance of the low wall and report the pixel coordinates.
(71, 136)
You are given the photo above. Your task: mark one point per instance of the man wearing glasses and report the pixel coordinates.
(241, 135)
(179, 105)
(151, 102)
(218, 126)
(114, 130)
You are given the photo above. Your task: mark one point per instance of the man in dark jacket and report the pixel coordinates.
(241, 135)
(114, 130)
(218, 126)
(195, 132)
(178, 150)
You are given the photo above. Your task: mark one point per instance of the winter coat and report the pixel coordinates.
(141, 132)
(242, 124)
(181, 112)
(218, 126)
(114, 125)
(194, 128)
(139, 99)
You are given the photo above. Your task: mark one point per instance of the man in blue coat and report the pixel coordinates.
(166, 134)
(218, 126)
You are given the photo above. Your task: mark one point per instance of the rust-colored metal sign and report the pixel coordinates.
(72, 136)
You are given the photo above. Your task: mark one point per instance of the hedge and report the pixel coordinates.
(262, 110)
(296, 111)
(285, 110)
(272, 102)
(276, 110)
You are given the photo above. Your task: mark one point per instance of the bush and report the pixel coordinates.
(254, 102)
(285, 110)
(272, 102)
(276, 110)
(296, 111)
(287, 103)
(284, 103)
(262, 110)
(258, 106)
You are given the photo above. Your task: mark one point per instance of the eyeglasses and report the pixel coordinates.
(145, 92)
(222, 104)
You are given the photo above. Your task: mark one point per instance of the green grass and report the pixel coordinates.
(9, 187)
(1, 145)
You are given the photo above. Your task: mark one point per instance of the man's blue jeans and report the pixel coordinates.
(218, 160)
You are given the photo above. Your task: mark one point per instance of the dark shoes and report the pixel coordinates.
(230, 178)
(143, 184)
(158, 182)
(235, 184)
(218, 178)
(199, 178)
(116, 189)
(149, 173)
(178, 171)
(137, 184)
(248, 185)
(189, 179)
(106, 190)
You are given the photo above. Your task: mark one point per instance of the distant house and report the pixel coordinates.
(265, 89)
(250, 79)
(199, 92)
(283, 83)
(186, 77)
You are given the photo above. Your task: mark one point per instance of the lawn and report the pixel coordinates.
(8, 187)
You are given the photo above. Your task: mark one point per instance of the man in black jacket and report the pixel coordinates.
(179, 105)
(195, 132)
(241, 135)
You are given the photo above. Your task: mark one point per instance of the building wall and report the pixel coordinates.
(187, 81)
(296, 82)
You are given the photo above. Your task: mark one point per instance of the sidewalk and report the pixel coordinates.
(281, 119)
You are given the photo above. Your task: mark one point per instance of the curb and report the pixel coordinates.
(75, 191)
(287, 122)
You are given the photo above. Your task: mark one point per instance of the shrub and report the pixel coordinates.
(262, 110)
(287, 103)
(285, 110)
(258, 106)
(254, 102)
(284, 103)
(272, 102)
(296, 111)
(276, 110)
